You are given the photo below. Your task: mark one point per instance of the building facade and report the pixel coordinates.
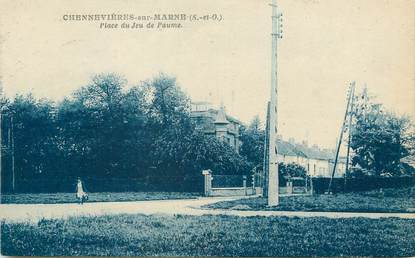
(217, 123)
(318, 162)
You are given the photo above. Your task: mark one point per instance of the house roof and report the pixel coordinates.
(316, 153)
(221, 117)
(286, 148)
(201, 103)
(410, 160)
(301, 150)
(213, 111)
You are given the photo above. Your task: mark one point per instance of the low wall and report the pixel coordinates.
(231, 191)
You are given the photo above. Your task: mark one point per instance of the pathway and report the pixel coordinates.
(35, 212)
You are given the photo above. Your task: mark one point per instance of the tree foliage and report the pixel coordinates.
(107, 129)
(34, 134)
(380, 139)
(252, 139)
(291, 170)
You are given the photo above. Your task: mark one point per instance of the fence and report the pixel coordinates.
(192, 184)
(229, 185)
(223, 181)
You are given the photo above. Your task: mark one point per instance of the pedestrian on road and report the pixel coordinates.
(81, 195)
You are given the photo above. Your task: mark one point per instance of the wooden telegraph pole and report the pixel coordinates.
(12, 146)
(1, 142)
(349, 101)
(265, 166)
(273, 188)
(349, 135)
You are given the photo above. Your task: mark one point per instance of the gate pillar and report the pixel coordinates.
(208, 181)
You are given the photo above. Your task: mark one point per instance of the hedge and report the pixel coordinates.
(320, 185)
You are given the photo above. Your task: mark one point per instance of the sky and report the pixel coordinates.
(326, 45)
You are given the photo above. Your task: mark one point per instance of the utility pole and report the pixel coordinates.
(273, 187)
(265, 165)
(349, 128)
(1, 142)
(12, 147)
(1, 134)
(349, 97)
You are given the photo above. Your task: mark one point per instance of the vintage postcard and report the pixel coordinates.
(207, 128)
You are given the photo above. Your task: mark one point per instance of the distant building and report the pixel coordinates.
(318, 162)
(217, 123)
(410, 160)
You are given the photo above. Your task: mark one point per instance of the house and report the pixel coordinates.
(409, 160)
(216, 122)
(318, 162)
(288, 153)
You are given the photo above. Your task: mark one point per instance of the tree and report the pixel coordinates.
(169, 124)
(103, 128)
(168, 104)
(291, 170)
(252, 139)
(380, 139)
(33, 133)
(108, 130)
(177, 148)
(3, 100)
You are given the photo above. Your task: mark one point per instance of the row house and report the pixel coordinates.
(318, 162)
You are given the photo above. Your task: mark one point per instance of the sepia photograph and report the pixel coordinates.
(260, 128)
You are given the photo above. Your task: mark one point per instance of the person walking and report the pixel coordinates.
(81, 195)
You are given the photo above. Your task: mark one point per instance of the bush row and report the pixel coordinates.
(320, 185)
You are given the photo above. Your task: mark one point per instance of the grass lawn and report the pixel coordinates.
(126, 235)
(390, 200)
(93, 197)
